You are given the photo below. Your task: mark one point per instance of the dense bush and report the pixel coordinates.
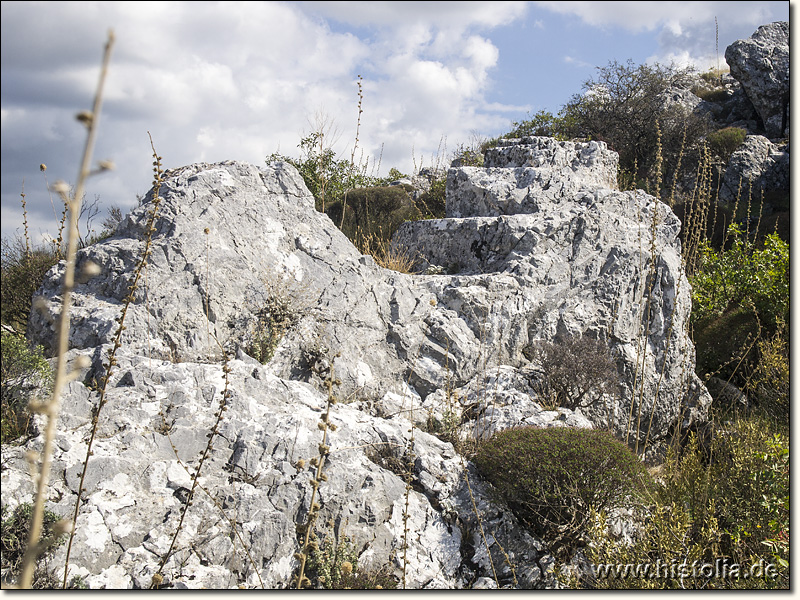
(14, 535)
(327, 177)
(742, 274)
(625, 105)
(24, 370)
(543, 123)
(552, 479)
(724, 142)
(374, 211)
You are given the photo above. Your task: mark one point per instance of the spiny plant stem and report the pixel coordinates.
(353, 153)
(25, 223)
(301, 581)
(223, 406)
(52, 408)
(216, 502)
(480, 526)
(117, 343)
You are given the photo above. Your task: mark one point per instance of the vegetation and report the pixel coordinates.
(576, 372)
(554, 478)
(14, 534)
(24, 371)
(724, 142)
(23, 269)
(625, 105)
(718, 517)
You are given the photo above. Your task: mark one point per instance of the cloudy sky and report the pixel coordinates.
(215, 81)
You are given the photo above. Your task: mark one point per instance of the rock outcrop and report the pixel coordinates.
(537, 246)
(761, 64)
(757, 169)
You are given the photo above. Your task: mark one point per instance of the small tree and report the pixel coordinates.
(623, 106)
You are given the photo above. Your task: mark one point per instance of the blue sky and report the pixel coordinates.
(215, 81)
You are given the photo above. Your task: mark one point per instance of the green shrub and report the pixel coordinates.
(543, 123)
(327, 177)
(374, 211)
(552, 479)
(743, 273)
(725, 141)
(14, 534)
(432, 204)
(624, 106)
(333, 565)
(22, 273)
(23, 371)
(711, 94)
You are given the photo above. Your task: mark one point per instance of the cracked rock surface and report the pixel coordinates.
(535, 247)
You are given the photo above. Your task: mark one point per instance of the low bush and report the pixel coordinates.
(743, 274)
(334, 566)
(14, 535)
(577, 371)
(724, 142)
(23, 271)
(552, 479)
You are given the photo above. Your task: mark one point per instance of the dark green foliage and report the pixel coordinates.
(712, 94)
(723, 341)
(327, 177)
(374, 211)
(22, 273)
(23, 371)
(14, 534)
(543, 123)
(725, 141)
(554, 478)
(432, 203)
(744, 274)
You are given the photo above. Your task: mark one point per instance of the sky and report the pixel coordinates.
(215, 81)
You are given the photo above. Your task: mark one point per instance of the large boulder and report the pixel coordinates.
(242, 267)
(543, 249)
(758, 169)
(761, 64)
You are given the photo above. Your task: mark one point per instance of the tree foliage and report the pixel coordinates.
(623, 106)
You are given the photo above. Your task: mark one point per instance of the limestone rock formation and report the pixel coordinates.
(243, 267)
(761, 64)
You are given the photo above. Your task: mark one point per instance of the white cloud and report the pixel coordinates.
(686, 31)
(239, 80)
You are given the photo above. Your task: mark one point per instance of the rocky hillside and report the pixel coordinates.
(256, 311)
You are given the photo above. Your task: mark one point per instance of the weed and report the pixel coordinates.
(576, 371)
(52, 408)
(306, 530)
(117, 343)
(14, 529)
